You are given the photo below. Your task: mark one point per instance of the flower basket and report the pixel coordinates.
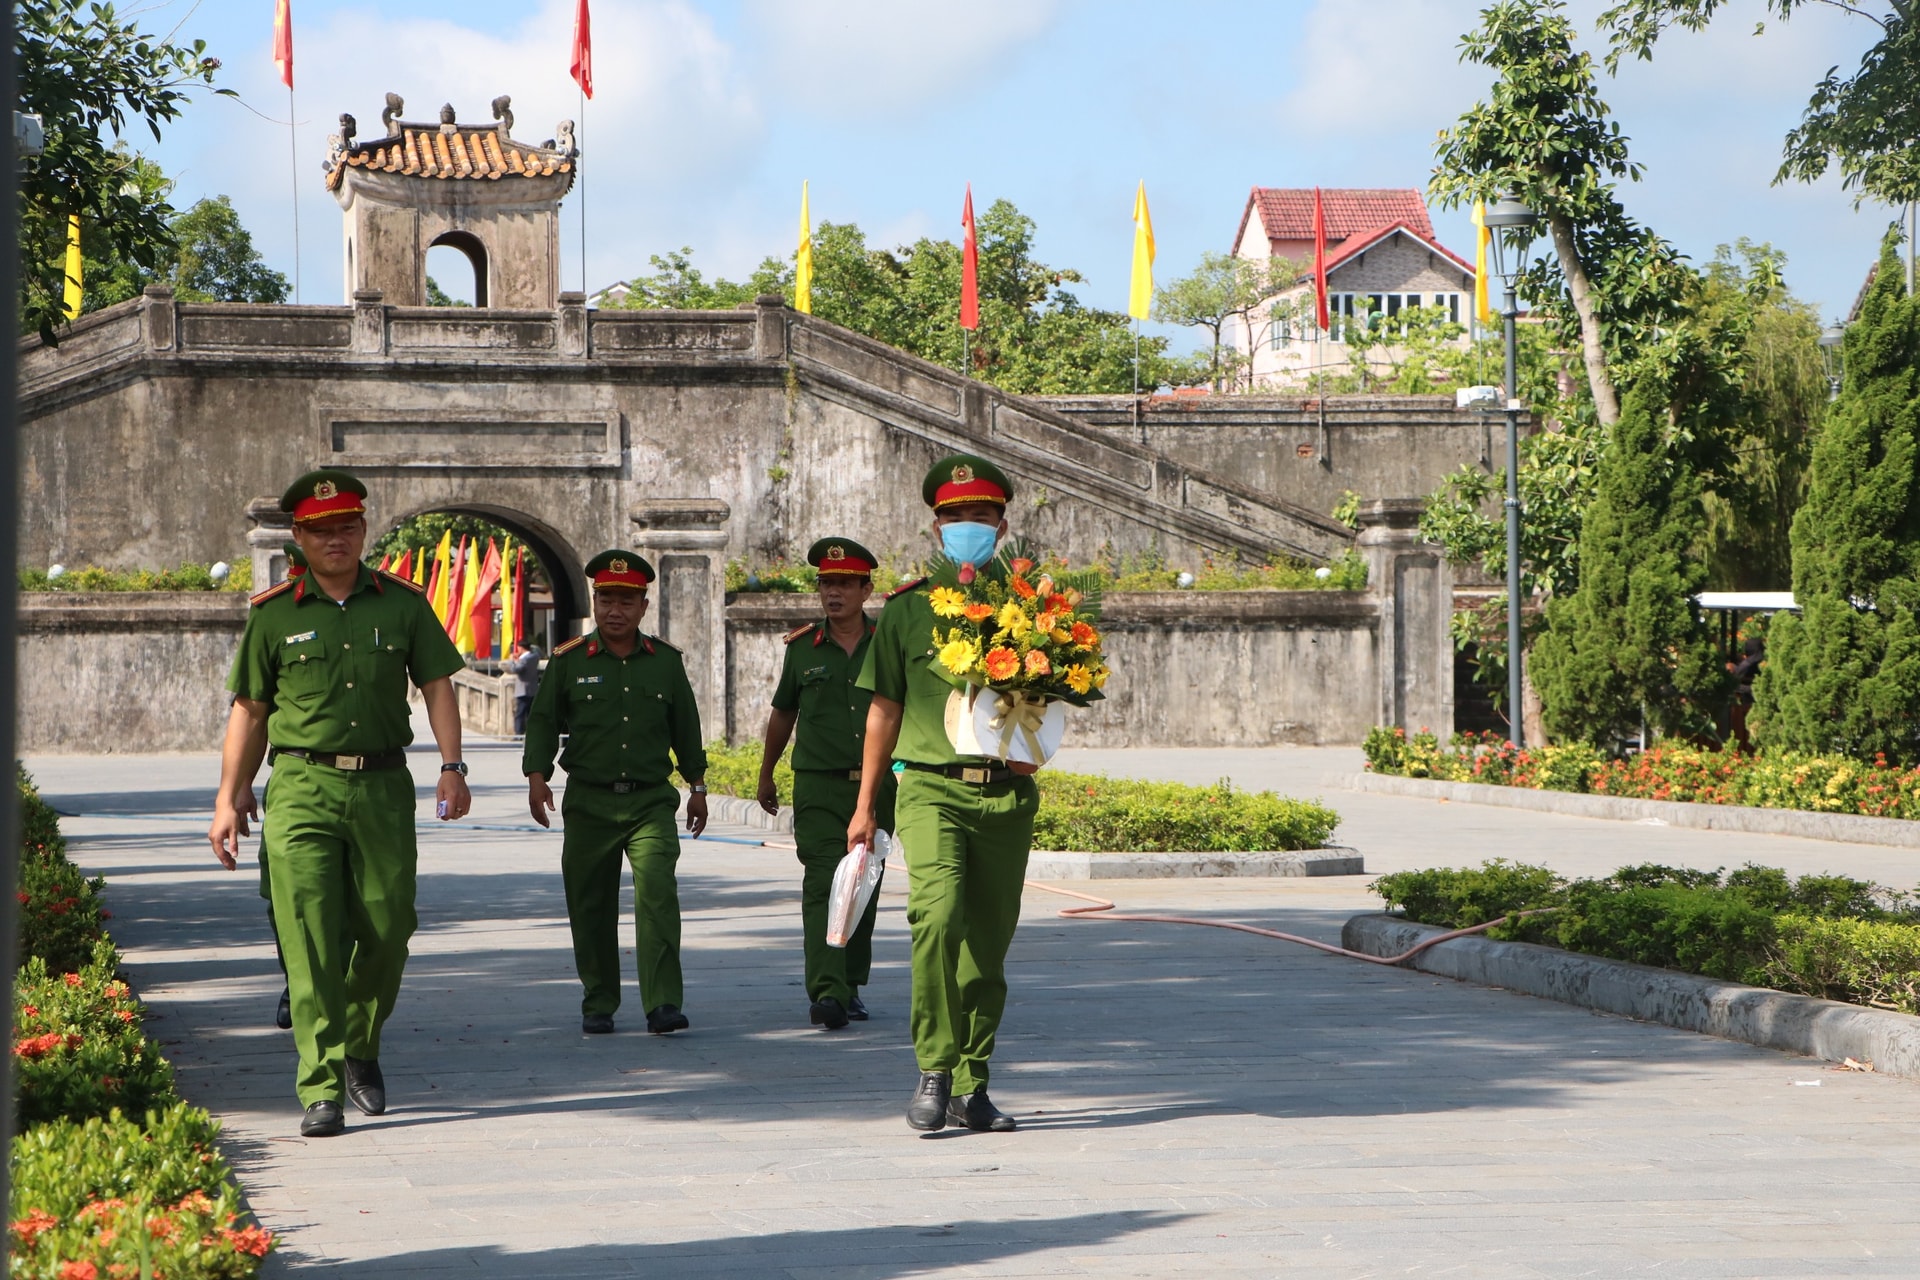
(1018, 640)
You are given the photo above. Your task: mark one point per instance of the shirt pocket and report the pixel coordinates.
(305, 669)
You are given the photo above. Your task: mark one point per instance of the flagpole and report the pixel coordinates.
(1136, 383)
(579, 149)
(293, 164)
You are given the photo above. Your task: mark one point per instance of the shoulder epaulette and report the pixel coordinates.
(905, 587)
(798, 632)
(262, 597)
(408, 583)
(569, 646)
(662, 643)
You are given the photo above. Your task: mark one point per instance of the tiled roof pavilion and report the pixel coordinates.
(448, 150)
(1286, 215)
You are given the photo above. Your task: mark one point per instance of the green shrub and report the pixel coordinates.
(60, 911)
(107, 1197)
(1669, 926)
(1093, 814)
(78, 1046)
(1464, 897)
(1868, 962)
(188, 577)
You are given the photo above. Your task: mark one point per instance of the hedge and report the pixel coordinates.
(188, 577)
(1829, 936)
(97, 1194)
(1091, 813)
(1771, 780)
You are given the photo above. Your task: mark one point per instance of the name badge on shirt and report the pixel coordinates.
(586, 680)
(303, 636)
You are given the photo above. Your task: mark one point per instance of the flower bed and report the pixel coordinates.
(1784, 780)
(1089, 813)
(1827, 936)
(96, 1193)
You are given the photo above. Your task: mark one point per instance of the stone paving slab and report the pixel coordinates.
(1194, 1102)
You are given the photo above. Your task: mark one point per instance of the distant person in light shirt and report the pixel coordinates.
(525, 666)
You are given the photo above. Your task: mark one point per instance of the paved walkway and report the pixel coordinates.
(1194, 1102)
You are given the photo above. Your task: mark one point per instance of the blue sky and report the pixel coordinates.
(709, 113)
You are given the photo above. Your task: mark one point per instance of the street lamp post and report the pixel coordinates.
(1830, 358)
(1512, 225)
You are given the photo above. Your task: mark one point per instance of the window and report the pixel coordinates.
(1362, 308)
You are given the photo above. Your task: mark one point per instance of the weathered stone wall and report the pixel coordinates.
(140, 671)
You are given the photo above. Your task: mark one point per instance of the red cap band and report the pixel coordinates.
(621, 573)
(977, 489)
(335, 502)
(838, 561)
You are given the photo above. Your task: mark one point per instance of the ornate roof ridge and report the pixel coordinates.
(448, 148)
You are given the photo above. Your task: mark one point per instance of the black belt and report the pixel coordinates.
(351, 764)
(980, 775)
(618, 788)
(851, 775)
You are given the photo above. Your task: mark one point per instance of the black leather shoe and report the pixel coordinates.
(666, 1018)
(829, 1012)
(366, 1086)
(283, 1012)
(977, 1112)
(855, 1010)
(323, 1120)
(596, 1024)
(928, 1110)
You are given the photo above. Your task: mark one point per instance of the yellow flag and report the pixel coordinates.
(803, 261)
(420, 568)
(1140, 294)
(1481, 311)
(442, 570)
(74, 267)
(506, 599)
(463, 633)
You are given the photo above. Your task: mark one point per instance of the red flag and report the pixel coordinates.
(405, 568)
(283, 39)
(386, 562)
(582, 66)
(456, 581)
(483, 601)
(1319, 257)
(969, 269)
(519, 602)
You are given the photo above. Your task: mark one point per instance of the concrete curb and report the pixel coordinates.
(1043, 865)
(1752, 1015)
(1845, 827)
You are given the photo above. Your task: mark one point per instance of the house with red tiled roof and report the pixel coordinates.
(1382, 258)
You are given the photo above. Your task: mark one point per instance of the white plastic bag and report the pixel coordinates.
(854, 883)
(1005, 725)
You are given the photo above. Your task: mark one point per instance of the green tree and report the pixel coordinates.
(91, 75)
(1867, 124)
(1222, 288)
(1629, 642)
(215, 260)
(676, 284)
(1844, 675)
(438, 297)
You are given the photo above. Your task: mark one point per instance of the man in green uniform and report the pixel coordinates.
(322, 676)
(623, 700)
(283, 1012)
(818, 695)
(964, 825)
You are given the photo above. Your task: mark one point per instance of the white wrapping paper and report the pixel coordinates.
(1005, 725)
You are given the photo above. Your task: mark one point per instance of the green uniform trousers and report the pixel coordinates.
(965, 847)
(344, 862)
(603, 828)
(823, 805)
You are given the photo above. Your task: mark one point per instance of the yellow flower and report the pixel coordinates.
(1100, 678)
(1078, 678)
(1062, 636)
(1014, 620)
(949, 603)
(958, 656)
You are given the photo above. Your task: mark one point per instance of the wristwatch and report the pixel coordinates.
(458, 766)
(698, 788)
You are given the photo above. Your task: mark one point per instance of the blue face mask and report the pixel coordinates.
(969, 543)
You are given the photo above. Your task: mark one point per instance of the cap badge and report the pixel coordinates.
(963, 474)
(326, 489)
(836, 553)
(617, 566)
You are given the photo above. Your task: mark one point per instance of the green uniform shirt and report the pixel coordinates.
(334, 673)
(620, 715)
(819, 681)
(901, 665)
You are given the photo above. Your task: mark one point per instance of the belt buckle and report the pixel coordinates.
(853, 775)
(979, 777)
(353, 763)
(623, 788)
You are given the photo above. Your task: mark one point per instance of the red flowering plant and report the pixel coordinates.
(78, 1049)
(60, 911)
(1019, 624)
(111, 1199)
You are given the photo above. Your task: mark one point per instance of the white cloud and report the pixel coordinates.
(1366, 70)
(850, 57)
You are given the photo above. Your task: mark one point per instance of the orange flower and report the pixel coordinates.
(78, 1271)
(1058, 603)
(1021, 564)
(125, 1015)
(1021, 587)
(35, 1047)
(1046, 622)
(979, 612)
(253, 1240)
(1037, 664)
(73, 979)
(163, 1228)
(30, 1227)
(1002, 663)
(29, 1011)
(1084, 635)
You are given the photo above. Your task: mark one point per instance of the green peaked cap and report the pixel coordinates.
(965, 477)
(842, 556)
(620, 569)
